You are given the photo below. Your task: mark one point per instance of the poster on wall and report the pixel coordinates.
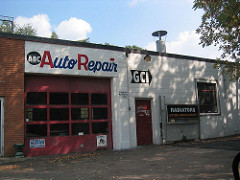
(101, 141)
(182, 113)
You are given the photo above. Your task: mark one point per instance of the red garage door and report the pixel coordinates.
(66, 114)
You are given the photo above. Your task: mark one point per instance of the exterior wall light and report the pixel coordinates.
(147, 57)
(127, 52)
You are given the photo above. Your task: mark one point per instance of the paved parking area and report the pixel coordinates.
(210, 159)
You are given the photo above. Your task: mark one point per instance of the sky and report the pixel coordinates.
(117, 22)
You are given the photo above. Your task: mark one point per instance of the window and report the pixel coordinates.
(36, 98)
(99, 113)
(79, 98)
(36, 114)
(59, 130)
(98, 128)
(80, 129)
(59, 98)
(59, 114)
(79, 113)
(207, 98)
(52, 114)
(99, 99)
(37, 130)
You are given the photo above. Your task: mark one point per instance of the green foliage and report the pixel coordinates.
(6, 27)
(85, 40)
(220, 26)
(184, 138)
(108, 44)
(26, 29)
(54, 35)
(230, 68)
(133, 47)
(9, 27)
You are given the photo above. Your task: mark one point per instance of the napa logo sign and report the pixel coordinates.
(73, 62)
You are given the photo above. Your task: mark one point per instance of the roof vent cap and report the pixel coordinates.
(161, 47)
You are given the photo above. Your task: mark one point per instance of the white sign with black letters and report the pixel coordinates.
(102, 141)
(123, 94)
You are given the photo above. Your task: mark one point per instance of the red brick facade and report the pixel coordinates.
(12, 90)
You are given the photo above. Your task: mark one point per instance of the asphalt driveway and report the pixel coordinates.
(209, 159)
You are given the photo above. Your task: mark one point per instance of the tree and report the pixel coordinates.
(26, 29)
(6, 27)
(108, 44)
(133, 47)
(87, 40)
(54, 35)
(220, 26)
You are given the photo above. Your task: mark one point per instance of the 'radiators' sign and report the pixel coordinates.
(182, 111)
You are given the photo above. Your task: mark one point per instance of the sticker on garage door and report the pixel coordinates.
(37, 143)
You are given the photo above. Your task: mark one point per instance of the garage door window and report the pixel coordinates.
(66, 114)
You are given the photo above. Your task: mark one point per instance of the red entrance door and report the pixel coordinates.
(144, 122)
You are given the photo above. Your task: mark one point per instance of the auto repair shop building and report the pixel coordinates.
(62, 96)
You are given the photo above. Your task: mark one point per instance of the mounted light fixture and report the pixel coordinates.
(127, 52)
(147, 57)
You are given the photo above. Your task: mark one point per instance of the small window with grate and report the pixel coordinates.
(207, 98)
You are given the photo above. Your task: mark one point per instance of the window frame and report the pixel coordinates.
(70, 122)
(215, 82)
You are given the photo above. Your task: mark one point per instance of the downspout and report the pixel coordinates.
(163, 122)
(237, 100)
(199, 117)
(127, 53)
(128, 98)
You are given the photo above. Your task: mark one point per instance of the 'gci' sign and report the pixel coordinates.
(141, 77)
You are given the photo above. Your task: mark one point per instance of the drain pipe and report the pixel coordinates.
(127, 53)
(237, 100)
(163, 119)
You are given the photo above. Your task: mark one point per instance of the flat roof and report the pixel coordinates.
(100, 46)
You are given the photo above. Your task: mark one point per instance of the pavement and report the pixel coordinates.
(208, 159)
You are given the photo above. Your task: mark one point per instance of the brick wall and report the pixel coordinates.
(12, 89)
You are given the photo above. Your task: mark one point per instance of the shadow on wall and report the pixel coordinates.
(176, 80)
(12, 89)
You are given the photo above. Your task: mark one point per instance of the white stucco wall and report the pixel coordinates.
(174, 80)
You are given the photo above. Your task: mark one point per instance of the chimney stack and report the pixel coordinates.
(161, 47)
